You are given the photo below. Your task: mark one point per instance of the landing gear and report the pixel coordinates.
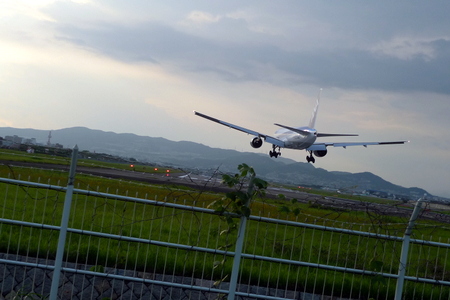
(310, 158)
(274, 152)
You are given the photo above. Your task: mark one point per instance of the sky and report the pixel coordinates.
(143, 66)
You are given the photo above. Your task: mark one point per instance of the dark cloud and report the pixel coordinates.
(345, 68)
(360, 69)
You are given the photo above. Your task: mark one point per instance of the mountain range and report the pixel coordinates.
(190, 156)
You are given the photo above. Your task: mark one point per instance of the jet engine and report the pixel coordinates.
(256, 142)
(320, 153)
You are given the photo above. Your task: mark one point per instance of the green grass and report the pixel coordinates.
(202, 230)
(326, 193)
(20, 156)
(14, 155)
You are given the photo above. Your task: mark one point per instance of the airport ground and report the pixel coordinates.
(434, 212)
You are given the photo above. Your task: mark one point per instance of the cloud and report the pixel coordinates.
(396, 64)
(26, 9)
(407, 48)
(200, 17)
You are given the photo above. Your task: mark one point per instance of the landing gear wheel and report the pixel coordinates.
(274, 152)
(310, 158)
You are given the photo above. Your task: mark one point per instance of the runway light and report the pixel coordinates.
(156, 169)
(131, 166)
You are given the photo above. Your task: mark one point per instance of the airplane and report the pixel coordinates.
(297, 138)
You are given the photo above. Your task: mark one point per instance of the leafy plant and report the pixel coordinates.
(237, 202)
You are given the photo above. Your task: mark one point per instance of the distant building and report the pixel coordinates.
(381, 194)
(30, 141)
(6, 143)
(11, 141)
(14, 139)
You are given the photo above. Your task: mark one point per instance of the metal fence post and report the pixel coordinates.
(405, 249)
(239, 247)
(64, 225)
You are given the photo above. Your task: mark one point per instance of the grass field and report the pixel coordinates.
(204, 230)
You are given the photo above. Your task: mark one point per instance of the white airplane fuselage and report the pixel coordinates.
(293, 140)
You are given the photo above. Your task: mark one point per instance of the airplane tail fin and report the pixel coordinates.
(312, 122)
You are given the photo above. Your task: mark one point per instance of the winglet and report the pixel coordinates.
(312, 122)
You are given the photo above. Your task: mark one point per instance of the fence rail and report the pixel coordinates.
(122, 247)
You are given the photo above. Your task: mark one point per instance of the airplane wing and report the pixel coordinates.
(266, 137)
(345, 145)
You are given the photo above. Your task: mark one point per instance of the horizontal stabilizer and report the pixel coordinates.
(334, 134)
(299, 131)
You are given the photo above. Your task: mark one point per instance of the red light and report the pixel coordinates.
(156, 169)
(131, 166)
(167, 171)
